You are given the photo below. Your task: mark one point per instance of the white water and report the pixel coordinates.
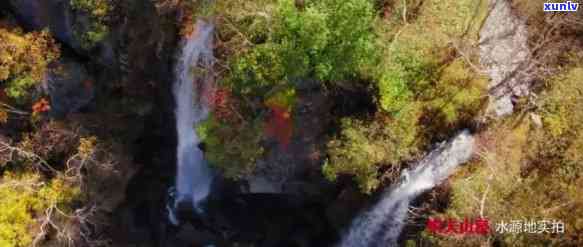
(193, 176)
(382, 224)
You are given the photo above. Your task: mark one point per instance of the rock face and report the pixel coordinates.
(267, 220)
(294, 169)
(70, 87)
(56, 15)
(65, 24)
(505, 55)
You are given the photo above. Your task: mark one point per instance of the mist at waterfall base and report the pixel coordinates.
(193, 175)
(382, 224)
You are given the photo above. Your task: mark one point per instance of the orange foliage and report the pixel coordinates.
(3, 116)
(41, 106)
(186, 23)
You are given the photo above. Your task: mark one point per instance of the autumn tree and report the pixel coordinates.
(24, 60)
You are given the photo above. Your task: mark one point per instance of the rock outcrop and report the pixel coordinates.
(294, 169)
(54, 15)
(505, 55)
(70, 87)
(67, 25)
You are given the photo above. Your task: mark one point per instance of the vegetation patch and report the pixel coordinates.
(427, 87)
(233, 147)
(529, 171)
(98, 12)
(26, 196)
(271, 49)
(24, 60)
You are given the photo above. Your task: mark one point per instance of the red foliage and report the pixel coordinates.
(279, 125)
(221, 102)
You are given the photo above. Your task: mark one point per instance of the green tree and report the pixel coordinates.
(276, 46)
(331, 41)
(424, 88)
(363, 148)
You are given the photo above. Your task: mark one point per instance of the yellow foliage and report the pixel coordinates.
(87, 147)
(3, 116)
(365, 146)
(562, 103)
(436, 25)
(24, 59)
(530, 173)
(25, 197)
(284, 98)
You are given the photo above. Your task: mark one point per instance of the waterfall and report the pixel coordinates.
(193, 176)
(382, 224)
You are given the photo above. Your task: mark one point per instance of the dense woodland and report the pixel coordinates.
(397, 77)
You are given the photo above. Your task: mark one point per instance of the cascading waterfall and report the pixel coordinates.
(193, 175)
(382, 224)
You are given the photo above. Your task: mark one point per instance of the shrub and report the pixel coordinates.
(418, 63)
(558, 144)
(396, 82)
(457, 96)
(24, 198)
(24, 60)
(232, 147)
(423, 86)
(243, 24)
(363, 148)
(98, 11)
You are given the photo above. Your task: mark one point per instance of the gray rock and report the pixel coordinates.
(505, 55)
(286, 169)
(501, 105)
(258, 184)
(65, 24)
(56, 15)
(70, 87)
